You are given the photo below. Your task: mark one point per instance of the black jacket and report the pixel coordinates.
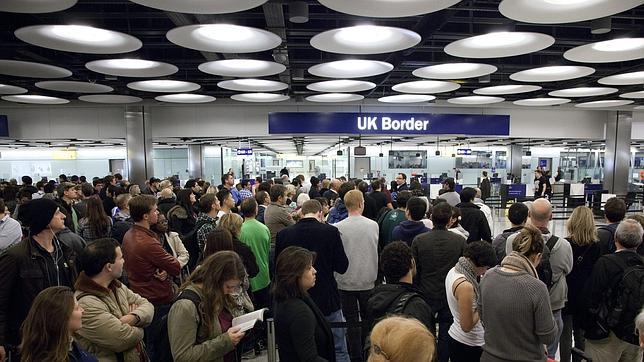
(584, 259)
(24, 272)
(370, 207)
(165, 204)
(261, 209)
(247, 257)
(606, 234)
(385, 296)
(302, 332)
(485, 188)
(325, 241)
(473, 220)
(500, 240)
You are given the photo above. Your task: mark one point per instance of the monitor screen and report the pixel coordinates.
(408, 159)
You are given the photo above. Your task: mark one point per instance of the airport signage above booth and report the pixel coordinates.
(388, 123)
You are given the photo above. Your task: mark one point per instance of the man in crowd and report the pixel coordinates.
(226, 202)
(518, 215)
(153, 187)
(228, 181)
(68, 194)
(448, 192)
(276, 216)
(379, 196)
(245, 191)
(392, 219)
(472, 218)
(401, 182)
(207, 219)
(407, 230)
(332, 193)
(258, 238)
(614, 213)
(263, 200)
(10, 229)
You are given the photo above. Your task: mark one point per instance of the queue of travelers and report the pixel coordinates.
(350, 270)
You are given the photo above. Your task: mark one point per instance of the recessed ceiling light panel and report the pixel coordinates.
(18, 68)
(252, 85)
(552, 73)
(388, 8)
(616, 50)
(603, 104)
(365, 39)
(341, 85)
(426, 87)
(623, 79)
(244, 68)
(539, 102)
(35, 6)
(34, 99)
(471, 100)
(583, 92)
(632, 95)
(78, 39)
(223, 38)
(407, 98)
(259, 97)
(164, 86)
(201, 6)
(507, 89)
(351, 68)
(335, 97)
(11, 89)
(110, 99)
(563, 11)
(73, 87)
(499, 44)
(185, 98)
(455, 71)
(128, 67)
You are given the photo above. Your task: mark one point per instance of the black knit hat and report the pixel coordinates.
(37, 214)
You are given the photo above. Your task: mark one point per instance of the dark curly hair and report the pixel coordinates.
(395, 261)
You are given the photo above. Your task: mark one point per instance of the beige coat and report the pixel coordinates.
(103, 335)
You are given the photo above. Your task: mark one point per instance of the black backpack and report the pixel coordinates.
(395, 308)
(191, 243)
(544, 270)
(626, 301)
(162, 341)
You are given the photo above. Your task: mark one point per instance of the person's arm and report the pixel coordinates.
(340, 260)
(286, 219)
(464, 293)
(182, 253)
(544, 322)
(144, 309)
(162, 260)
(484, 228)
(8, 274)
(301, 331)
(251, 262)
(639, 323)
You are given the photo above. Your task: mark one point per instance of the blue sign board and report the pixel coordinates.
(516, 191)
(464, 151)
(244, 151)
(590, 188)
(458, 188)
(388, 123)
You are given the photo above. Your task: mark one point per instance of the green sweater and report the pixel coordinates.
(258, 238)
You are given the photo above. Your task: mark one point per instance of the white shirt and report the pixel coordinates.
(10, 232)
(475, 337)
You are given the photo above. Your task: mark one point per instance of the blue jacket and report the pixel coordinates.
(338, 213)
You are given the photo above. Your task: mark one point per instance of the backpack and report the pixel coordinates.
(626, 302)
(162, 350)
(396, 308)
(610, 241)
(191, 243)
(544, 270)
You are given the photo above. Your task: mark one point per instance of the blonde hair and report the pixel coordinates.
(528, 242)
(231, 222)
(290, 190)
(326, 183)
(165, 184)
(352, 199)
(212, 190)
(581, 226)
(402, 340)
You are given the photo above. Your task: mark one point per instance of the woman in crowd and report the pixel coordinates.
(182, 217)
(96, 225)
(401, 339)
(173, 245)
(301, 330)
(583, 238)
(205, 333)
(47, 332)
(233, 223)
(218, 240)
(134, 190)
(466, 335)
(518, 321)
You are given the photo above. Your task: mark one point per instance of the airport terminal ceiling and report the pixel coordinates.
(196, 44)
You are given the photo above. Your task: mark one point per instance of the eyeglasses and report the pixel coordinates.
(378, 350)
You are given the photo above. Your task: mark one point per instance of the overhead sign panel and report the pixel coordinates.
(388, 123)
(464, 151)
(244, 151)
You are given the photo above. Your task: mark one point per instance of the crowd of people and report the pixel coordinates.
(350, 270)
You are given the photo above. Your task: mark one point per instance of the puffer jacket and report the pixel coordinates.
(338, 213)
(103, 335)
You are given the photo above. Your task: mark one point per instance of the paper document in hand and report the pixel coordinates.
(247, 321)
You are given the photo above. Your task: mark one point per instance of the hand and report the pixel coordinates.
(235, 335)
(161, 275)
(129, 319)
(3, 353)
(133, 307)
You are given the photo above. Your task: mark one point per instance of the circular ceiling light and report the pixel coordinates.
(583, 92)
(507, 89)
(185, 98)
(632, 95)
(602, 104)
(335, 97)
(35, 6)
(127, 67)
(341, 85)
(455, 71)
(616, 50)
(32, 70)
(388, 8)
(11, 89)
(499, 44)
(351, 68)
(252, 85)
(73, 87)
(407, 98)
(562, 11)
(110, 99)
(469, 100)
(223, 38)
(622, 79)
(259, 97)
(539, 102)
(245, 68)
(35, 99)
(426, 86)
(365, 39)
(552, 73)
(78, 39)
(201, 6)
(164, 86)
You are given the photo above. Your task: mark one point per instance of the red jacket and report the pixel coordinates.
(143, 256)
